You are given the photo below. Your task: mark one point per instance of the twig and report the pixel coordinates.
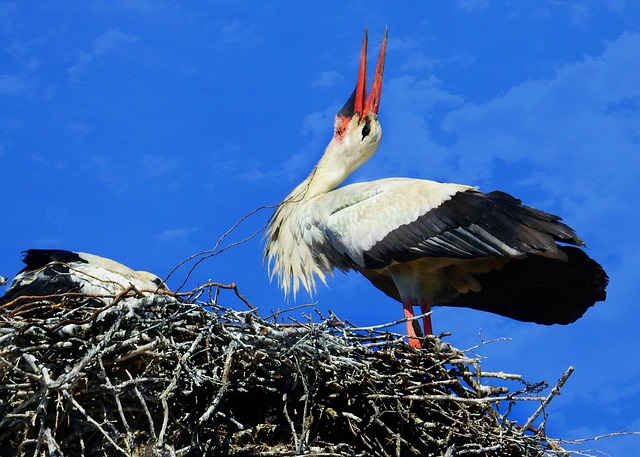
(116, 398)
(214, 251)
(555, 391)
(211, 284)
(93, 422)
(224, 381)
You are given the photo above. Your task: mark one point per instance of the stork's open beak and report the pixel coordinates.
(358, 102)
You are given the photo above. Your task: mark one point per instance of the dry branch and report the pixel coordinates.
(156, 375)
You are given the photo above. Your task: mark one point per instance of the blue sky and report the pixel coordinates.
(143, 130)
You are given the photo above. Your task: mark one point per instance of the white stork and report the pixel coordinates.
(424, 242)
(56, 271)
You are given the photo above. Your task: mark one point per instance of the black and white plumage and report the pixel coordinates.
(55, 271)
(423, 242)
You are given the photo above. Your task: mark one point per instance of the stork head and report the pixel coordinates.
(357, 129)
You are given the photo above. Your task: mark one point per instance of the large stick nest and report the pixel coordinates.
(151, 375)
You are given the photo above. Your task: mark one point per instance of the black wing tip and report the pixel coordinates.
(541, 290)
(38, 258)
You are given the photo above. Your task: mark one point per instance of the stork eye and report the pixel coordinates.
(366, 129)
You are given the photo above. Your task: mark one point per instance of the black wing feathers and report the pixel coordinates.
(46, 273)
(539, 289)
(533, 289)
(35, 259)
(472, 224)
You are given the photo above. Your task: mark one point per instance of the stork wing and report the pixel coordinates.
(397, 220)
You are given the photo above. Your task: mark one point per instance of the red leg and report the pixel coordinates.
(426, 320)
(411, 325)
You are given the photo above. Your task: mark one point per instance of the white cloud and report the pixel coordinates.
(581, 15)
(237, 33)
(132, 6)
(328, 79)
(577, 128)
(180, 234)
(110, 40)
(154, 165)
(12, 85)
(102, 45)
(8, 14)
(473, 5)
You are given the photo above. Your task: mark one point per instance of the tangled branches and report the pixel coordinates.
(155, 375)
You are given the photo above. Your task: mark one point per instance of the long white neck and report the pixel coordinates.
(324, 177)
